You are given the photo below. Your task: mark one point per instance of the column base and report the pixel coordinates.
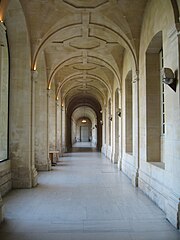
(34, 177)
(49, 165)
(22, 177)
(109, 153)
(115, 158)
(120, 164)
(103, 149)
(135, 177)
(43, 166)
(173, 210)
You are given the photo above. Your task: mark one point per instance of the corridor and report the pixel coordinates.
(84, 197)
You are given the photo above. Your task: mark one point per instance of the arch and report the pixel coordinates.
(80, 113)
(76, 76)
(153, 98)
(60, 65)
(79, 101)
(100, 97)
(175, 11)
(44, 41)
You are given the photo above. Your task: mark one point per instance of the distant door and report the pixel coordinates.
(84, 134)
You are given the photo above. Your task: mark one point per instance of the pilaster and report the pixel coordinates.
(136, 134)
(42, 162)
(34, 76)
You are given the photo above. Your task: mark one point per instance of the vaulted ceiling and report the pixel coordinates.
(83, 42)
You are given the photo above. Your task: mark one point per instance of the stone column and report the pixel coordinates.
(21, 130)
(120, 131)
(52, 119)
(42, 161)
(61, 131)
(103, 131)
(63, 124)
(34, 75)
(58, 114)
(136, 136)
(48, 99)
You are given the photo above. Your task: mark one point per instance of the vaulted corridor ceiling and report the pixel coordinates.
(83, 42)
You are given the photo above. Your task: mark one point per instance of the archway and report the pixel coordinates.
(84, 108)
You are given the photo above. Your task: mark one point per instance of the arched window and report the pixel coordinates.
(4, 90)
(155, 108)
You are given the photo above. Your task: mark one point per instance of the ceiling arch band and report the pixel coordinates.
(76, 76)
(59, 66)
(127, 45)
(100, 93)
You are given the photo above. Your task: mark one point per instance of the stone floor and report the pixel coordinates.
(84, 197)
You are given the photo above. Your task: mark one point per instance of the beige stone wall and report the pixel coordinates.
(4, 84)
(5, 167)
(162, 185)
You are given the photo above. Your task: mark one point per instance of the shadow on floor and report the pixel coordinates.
(83, 149)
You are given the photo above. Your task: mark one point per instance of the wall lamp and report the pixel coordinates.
(110, 117)
(168, 77)
(119, 112)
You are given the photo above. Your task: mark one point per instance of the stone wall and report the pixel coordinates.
(161, 181)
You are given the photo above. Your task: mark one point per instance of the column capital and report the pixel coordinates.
(49, 92)
(136, 77)
(104, 107)
(2, 26)
(174, 32)
(34, 75)
(57, 103)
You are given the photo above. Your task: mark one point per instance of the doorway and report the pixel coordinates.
(84, 133)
